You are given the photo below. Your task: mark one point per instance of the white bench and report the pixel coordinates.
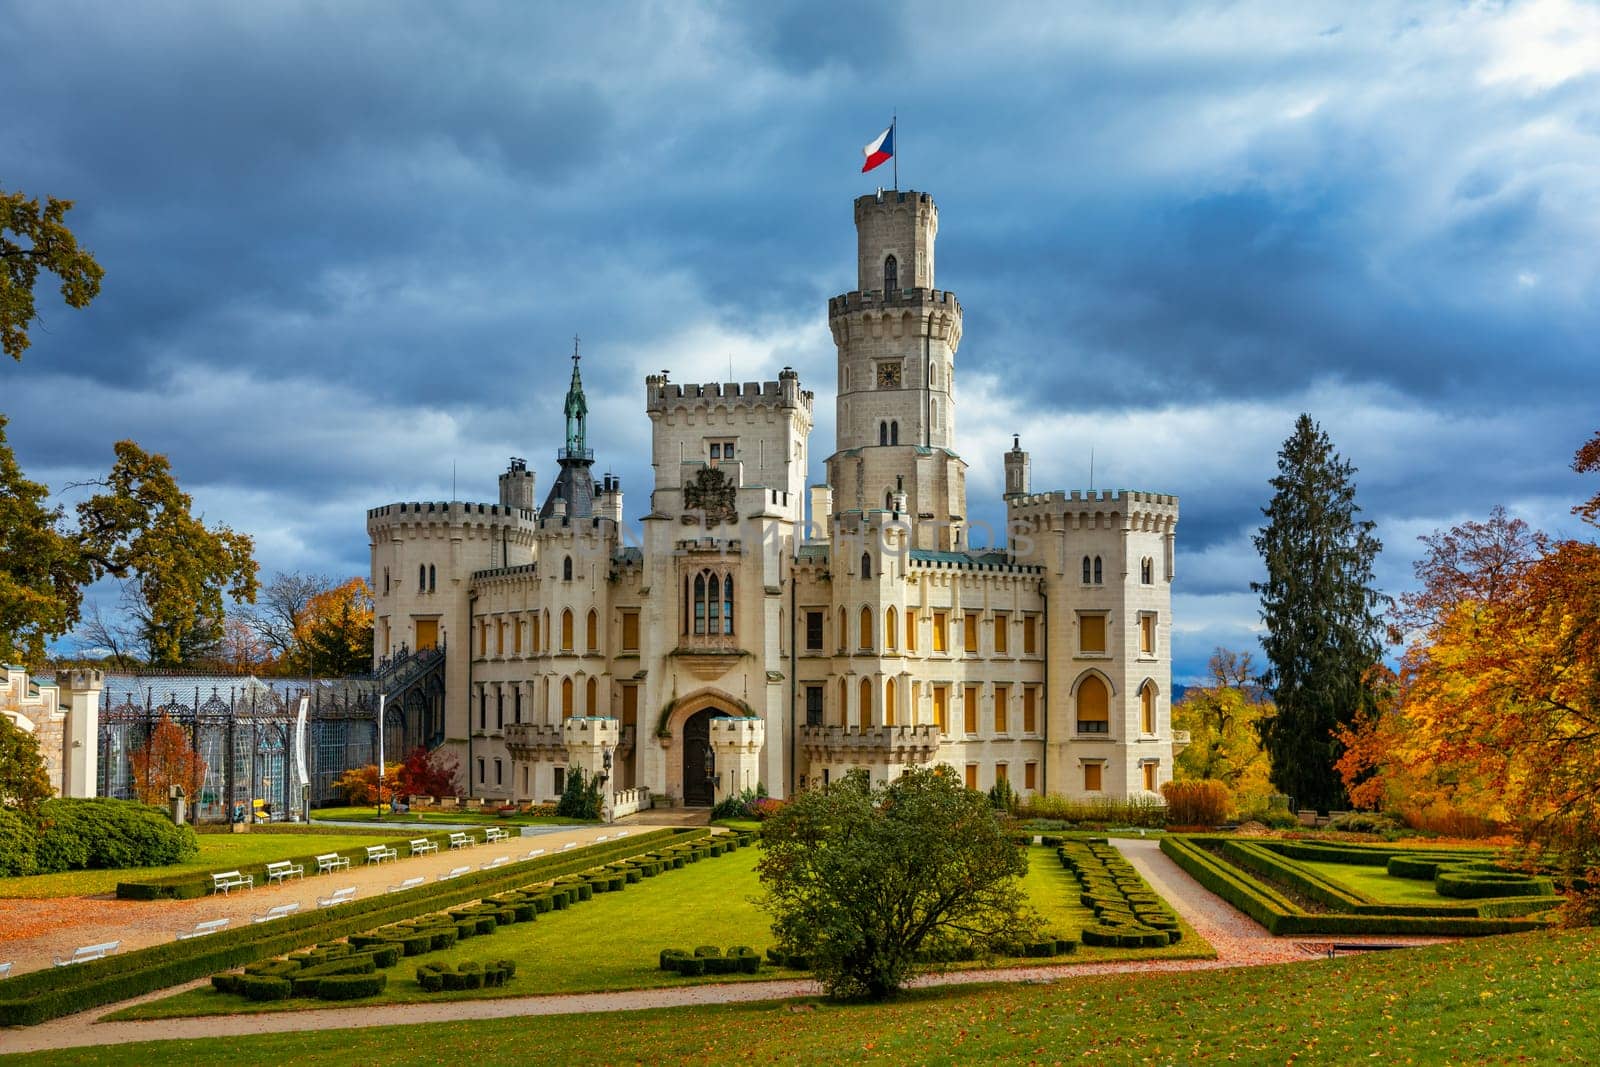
(340, 896)
(420, 845)
(223, 881)
(5, 969)
(282, 869)
(498, 861)
(599, 839)
(569, 844)
(536, 852)
(622, 833)
(379, 853)
(210, 926)
(454, 872)
(278, 911)
(495, 833)
(460, 840)
(329, 862)
(409, 883)
(89, 952)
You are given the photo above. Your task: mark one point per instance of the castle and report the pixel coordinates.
(746, 643)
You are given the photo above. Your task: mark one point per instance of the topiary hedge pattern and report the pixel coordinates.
(469, 974)
(709, 959)
(1127, 911)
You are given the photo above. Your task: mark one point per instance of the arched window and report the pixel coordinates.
(1147, 707)
(866, 629)
(591, 698)
(843, 630)
(727, 605)
(1147, 571)
(888, 500)
(894, 432)
(891, 629)
(1094, 706)
(566, 569)
(866, 564)
(891, 275)
(422, 577)
(699, 604)
(866, 704)
(1099, 577)
(883, 433)
(592, 632)
(431, 576)
(566, 698)
(711, 595)
(888, 702)
(1086, 571)
(844, 702)
(566, 630)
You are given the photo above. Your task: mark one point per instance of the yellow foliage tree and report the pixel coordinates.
(167, 759)
(360, 784)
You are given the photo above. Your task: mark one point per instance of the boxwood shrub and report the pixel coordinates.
(351, 986)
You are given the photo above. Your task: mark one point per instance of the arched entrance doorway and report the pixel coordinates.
(698, 788)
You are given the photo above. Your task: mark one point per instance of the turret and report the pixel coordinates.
(1019, 470)
(517, 485)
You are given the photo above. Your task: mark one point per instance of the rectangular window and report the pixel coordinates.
(533, 634)
(1150, 777)
(813, 705)
(1091, 777)
(480, 771)
(1000, 772)
(911, 630)
(1002, 708)
(499, 708)
(630, 705)
(516, 637)
(499, 772)
(972, 776)
(813, 631)
(716, 450)
(1030, 635)
(483, 638)
(483, 709)
(1147, 635)
(561, 780)
(941, 707)
(1002, 635)
(499, 638)
(939, 631)
(1030, 775)
(1092, 633)
(969, 632)
(1030, 710)
(630, 631)
(969, 709)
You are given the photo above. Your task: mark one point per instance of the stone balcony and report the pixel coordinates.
(538, 742)
(876, 744)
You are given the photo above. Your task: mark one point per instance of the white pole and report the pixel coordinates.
(381, 698)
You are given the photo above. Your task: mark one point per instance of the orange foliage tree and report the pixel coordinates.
(333, 634)
(1496, 709)
(165, 760)
(360, 784)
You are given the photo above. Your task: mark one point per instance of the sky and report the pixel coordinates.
(347, 246)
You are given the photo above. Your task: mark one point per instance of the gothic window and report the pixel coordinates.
(883, 433)
(711, 597)
(844, 702)
(422, 577)
(891, 275)
(842, 631)
(894, 432)
(866, 565)
(889, 696)
(865, 710)
(1094, 707)
(888, 500)
(566, 569)
(1147, 708)
(566, 630)
(866, 629)
(727, 605)
(1086, 571)
(592, 632)
(566, 698)
(431, 576)
(891, 629)
(591, 705)
(1147, 571)
(1099, 576)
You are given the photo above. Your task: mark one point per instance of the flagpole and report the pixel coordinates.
(894, 126)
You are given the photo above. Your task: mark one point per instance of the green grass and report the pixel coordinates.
(613, 941)
(218, 852)
(1526, 998)
(1374, 882)
(473, 818)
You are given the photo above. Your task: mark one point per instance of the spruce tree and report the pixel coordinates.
(1320, 612)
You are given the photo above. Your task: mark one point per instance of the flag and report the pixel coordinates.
(880, 151)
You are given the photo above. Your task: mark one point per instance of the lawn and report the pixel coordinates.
(218, 852)
(1376, 883)
(464, 818)
(1515, 999)
(614, 940)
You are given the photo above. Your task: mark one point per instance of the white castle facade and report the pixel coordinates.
(748, 642)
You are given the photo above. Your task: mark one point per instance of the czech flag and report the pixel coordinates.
(880, 151)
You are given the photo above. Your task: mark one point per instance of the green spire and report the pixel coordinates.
(577, 408)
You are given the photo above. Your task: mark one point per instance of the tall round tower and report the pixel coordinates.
(897, 337)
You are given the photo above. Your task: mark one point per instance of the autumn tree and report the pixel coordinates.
(1223, 719)
(42, 571)
(166, 759)
(35, 239)
(867, 880)
(1320, 611)
(279, 607)
(333, 634)
(429, 774)
(359, 785)
(23, 781)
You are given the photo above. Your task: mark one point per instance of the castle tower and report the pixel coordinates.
(1019, 470)
(573, 493)
(517, 485)
(897, 337)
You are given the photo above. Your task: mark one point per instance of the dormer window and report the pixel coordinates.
(891, 275)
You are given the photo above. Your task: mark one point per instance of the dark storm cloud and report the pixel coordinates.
(347, 246)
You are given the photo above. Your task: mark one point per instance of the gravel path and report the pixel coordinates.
(1239, 942)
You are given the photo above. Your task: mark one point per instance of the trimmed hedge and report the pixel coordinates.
(469, 974)
(709, 959)
(41, 995)
(190, 886)
(96, 833)
(351, 986)
(1129, 913)
(1283, 917)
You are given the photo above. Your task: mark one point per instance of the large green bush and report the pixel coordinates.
(68, 834)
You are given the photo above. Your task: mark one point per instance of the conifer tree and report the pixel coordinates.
(1320, 612)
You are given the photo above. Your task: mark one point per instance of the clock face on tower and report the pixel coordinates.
(888, 375)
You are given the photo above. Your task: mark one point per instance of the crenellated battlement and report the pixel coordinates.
(664, 397)
(858, 300)
(446, 511)
(1134, 509)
